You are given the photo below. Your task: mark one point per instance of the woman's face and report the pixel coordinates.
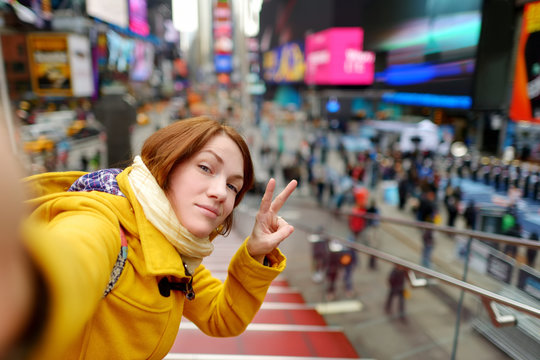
(202, 189)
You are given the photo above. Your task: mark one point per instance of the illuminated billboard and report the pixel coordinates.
(60, 64)
(525, 104)
(284, 64)
(138, 19)
(335, 57)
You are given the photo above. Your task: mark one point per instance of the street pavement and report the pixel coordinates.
(427, 331)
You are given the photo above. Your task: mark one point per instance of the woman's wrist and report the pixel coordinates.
(259, 258)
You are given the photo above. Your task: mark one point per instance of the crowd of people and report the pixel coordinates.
(424, 189)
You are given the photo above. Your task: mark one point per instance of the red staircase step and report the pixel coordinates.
(307, 341)
(289, 316)
(292, 297)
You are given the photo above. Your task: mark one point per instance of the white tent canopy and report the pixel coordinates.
(426, 131)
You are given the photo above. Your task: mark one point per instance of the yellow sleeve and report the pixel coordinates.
(75, 252)
(226, 309)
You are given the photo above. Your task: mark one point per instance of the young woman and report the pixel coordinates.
(153, 223)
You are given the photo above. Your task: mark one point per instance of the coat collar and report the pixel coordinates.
(161, 257)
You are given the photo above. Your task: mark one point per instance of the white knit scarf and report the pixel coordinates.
(159, 212)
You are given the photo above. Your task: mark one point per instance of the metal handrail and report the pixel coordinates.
(465, 286)
(486, 295)
(480, 235)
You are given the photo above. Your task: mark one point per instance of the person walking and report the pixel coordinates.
(153, 223)
(403, 190)
(452, 209)
(319, 252)
(428, 243)
(531, 253)
(372, 225)
(357, 223)
(333, 268)
(427, 212)
(470, 214)
(427, 208)
(396, 282)
(349, 261)
(514, 231)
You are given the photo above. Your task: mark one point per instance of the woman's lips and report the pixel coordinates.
(208, 210)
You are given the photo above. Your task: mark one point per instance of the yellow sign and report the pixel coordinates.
(285, 64)
(49, 64)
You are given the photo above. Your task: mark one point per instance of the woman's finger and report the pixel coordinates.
(283, 231)
(280, 200)
(266, 201)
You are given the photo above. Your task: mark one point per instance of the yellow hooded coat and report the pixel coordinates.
(75, 253)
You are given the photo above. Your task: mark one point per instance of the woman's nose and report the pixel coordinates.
(218, 188)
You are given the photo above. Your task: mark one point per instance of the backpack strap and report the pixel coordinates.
(119, 265)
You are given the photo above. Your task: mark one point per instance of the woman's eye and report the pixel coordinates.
(233, 188)
(204, 168)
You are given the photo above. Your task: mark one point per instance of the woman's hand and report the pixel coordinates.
(16, 273)
(270, 229)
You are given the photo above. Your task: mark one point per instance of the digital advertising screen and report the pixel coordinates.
(525, 103)
(138, 19)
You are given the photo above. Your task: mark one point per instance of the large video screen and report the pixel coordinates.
(423, 40)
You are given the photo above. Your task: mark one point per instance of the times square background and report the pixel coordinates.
(433, 95)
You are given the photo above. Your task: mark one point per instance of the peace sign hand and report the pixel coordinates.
(270, 229)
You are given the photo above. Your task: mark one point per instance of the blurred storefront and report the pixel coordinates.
(63, 59)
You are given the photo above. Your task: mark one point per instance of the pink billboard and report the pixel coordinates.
(138, 19)
(335, 57)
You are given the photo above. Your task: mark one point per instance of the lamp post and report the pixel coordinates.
(458, 149)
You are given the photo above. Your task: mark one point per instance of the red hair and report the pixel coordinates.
(178, 142)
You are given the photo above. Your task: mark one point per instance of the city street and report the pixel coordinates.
(428, 330)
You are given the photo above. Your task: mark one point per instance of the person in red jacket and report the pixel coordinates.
(357, 222)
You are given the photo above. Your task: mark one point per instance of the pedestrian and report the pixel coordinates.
(357, 222)
(319, 252)
(403, 190)
(427, 208)
(470, 214)
(509, 219)
(514, 231)
(396, 282)
(428, 243)
(154, 223)
(452, 209)
(349, 261)
(531, 253)
(344, 185)
(372, 225)
(319, 179)
(333, 268)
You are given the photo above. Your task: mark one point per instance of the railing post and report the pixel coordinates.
(461, 296)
